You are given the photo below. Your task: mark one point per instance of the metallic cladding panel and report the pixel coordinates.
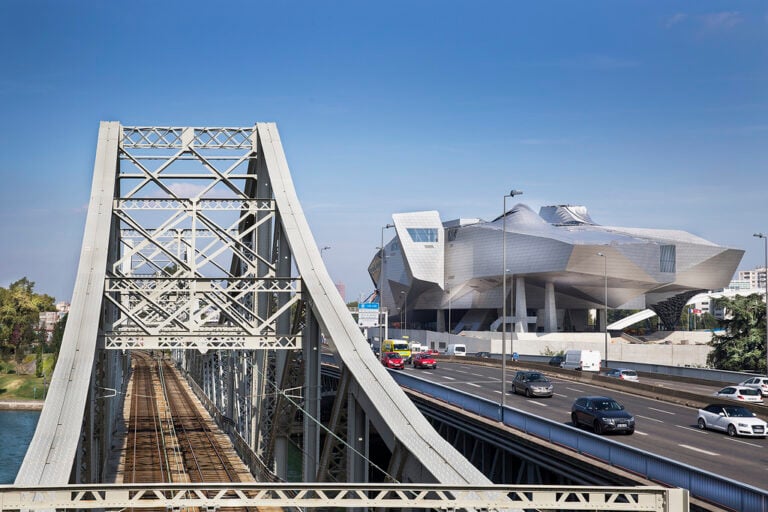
(566, 254)
(425, 259)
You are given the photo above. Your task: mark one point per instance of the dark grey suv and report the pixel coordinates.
(602, 414)
(532, 384)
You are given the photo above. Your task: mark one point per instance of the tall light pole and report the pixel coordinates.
(605, 304)
(765, 240)
(405, 310)
(512, 193)
(323, 250)
(381, 281)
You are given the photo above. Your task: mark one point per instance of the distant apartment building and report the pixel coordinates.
(48, 319)
(755, 277)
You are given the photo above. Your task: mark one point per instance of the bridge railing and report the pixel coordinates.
(701, 484)
(341, 496)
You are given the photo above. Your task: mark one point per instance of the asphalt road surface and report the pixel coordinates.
(665, 429)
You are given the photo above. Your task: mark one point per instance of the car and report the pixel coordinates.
(623, 374)
(603, 414)
(532, 384)
(483, 354)
(424, 360)
(760, 383)
(736, 420)
(393, 360)
(556, 361)
(741, 393)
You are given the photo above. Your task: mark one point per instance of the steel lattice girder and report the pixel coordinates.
(325, 496)
(190, 266)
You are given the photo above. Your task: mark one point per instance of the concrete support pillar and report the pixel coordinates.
(440, 320)
(550, 309)
(521, 307)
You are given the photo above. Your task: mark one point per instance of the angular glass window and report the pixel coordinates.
(668, 256)
(423, 234)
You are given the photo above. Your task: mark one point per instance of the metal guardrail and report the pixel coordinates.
(687, 372)
(338, 496)
(706, 486)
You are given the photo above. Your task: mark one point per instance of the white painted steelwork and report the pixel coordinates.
(329, 496)
(196, 239)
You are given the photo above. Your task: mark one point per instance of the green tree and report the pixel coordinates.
(57, 336)
(20, 310)
(39, 361)
(742, 346)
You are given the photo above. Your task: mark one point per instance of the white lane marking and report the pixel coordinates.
(746, 442)
(662, 410)
(575, 389)
(641, 433)
(537, 403)
(699, 450)
(649, 418)
(497, 391)
(686, 427)
(473, 384)
(448, 378)
(561, 395)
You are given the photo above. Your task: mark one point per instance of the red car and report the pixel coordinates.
(393, 360)
(424, 360)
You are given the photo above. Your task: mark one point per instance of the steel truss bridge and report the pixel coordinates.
(196, 243)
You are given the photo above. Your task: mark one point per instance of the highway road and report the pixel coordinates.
(662, 428)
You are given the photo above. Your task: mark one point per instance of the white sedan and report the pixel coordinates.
(733, 419)
(740, 393)
(760, 383)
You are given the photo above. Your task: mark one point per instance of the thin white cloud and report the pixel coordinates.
(718, 21)
(676, 18)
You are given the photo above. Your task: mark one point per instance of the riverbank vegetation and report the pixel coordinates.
(27, 351)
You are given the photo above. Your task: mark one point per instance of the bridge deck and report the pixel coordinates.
(168, 436)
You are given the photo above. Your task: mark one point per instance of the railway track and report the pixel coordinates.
(168, 437)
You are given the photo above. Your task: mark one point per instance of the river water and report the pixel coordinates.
(16, 431)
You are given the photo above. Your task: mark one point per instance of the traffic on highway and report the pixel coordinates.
(665, 429)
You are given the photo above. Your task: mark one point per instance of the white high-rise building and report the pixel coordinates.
(755, 277)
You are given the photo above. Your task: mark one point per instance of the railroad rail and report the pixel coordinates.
(169, 440)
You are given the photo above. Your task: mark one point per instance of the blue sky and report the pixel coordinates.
(651, 114)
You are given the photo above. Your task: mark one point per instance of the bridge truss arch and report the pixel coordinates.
(196, 243)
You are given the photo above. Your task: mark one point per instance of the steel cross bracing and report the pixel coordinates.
(190, 270)
(330, 496)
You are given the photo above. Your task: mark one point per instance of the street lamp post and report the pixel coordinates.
(449, 310)
(381, 281)
(605, 304)
(405, 310)
(323, 250)
(765, 240)
(512, 193)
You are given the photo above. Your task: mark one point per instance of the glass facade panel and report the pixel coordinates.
(667, 256)
(423, 234)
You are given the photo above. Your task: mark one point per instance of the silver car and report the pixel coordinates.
(733, 419)
(532, 384)
(741, 393)
(623, 374)
(759, 383)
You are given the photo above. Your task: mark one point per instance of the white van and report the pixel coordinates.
(457, 349)
(584, 360)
